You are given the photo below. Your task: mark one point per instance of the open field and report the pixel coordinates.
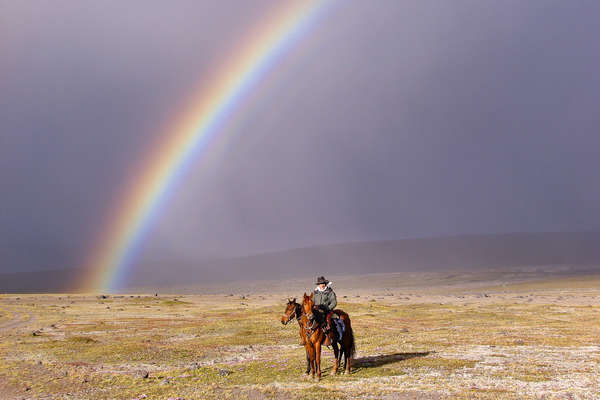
(433, 337)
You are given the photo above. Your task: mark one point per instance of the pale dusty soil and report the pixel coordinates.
(16, 321)
(488, 339)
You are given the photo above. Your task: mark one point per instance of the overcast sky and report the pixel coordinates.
(390, 119)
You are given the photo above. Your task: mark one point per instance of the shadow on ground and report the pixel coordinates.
(377, 361)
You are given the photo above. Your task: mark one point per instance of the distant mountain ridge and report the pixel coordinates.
(428, 254)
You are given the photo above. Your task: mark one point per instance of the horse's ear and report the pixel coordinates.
(293, 301)
(305, 296)
(311, 296)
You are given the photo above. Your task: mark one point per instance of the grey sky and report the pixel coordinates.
(391, 119)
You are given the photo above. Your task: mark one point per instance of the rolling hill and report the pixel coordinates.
(468, 252)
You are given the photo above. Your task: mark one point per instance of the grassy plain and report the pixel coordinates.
(432, 337)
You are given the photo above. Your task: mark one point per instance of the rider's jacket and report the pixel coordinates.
(325, 298)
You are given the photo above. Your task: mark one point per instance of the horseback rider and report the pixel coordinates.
(326, 301)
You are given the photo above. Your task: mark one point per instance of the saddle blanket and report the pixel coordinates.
(341, 327)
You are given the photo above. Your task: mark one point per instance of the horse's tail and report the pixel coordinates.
(352, 344)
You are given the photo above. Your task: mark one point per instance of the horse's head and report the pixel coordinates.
(290, 311)
(307, 306)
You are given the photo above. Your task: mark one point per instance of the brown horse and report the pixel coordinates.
(311, 323)
(294, 310)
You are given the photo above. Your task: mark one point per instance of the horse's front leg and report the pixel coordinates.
(302, 339)
(318, 359)
(310, 353)
(307, 361)
(336, 354)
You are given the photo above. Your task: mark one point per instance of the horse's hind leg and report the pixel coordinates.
(346, 362)
(348, 365)
(336, 353)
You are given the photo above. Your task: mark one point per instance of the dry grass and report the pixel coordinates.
(526, 340)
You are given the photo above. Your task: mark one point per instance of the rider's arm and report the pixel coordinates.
(332, 301)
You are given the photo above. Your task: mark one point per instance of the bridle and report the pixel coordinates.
(312, 324)
(309, 330)
(295, 314)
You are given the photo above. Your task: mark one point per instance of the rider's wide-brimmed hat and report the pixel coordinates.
(322, 279)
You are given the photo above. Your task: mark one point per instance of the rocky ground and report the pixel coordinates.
(424, 337)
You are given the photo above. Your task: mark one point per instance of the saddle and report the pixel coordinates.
(332, 325)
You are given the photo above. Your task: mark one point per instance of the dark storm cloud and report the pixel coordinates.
(85, 87)
(397, 120)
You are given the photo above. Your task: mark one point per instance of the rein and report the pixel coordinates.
(308, 330)
(314, 326)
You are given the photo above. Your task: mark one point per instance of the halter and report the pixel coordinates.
(297, 314)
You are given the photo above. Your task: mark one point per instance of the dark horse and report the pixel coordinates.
(311, 322)
(294, 310)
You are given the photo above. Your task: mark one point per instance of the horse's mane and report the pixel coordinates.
(298, 309)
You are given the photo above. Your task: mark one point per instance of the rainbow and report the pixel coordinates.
(159, 172)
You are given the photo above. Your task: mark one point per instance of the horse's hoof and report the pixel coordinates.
(333, 373)
(346, 372)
